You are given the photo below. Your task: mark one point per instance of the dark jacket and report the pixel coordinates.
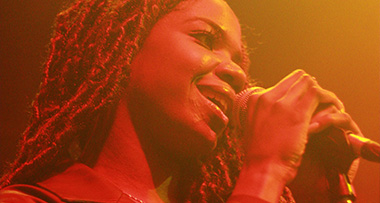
(78, 183)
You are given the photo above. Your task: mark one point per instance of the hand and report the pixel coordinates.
(311, 183)
(279, 118)
(276, 133)
(329, 116)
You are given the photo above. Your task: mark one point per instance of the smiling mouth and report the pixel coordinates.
(217, 100)
(216, 96)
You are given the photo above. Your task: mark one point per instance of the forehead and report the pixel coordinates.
(217, 11)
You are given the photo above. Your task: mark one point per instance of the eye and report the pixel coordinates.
(205, 38)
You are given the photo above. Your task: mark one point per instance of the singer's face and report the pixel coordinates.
(184, 79)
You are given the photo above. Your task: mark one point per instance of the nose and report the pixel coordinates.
(232, 74)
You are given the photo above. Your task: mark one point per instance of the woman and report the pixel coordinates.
(141, 92)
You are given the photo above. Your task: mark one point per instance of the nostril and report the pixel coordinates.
(233, 75)
(227, 78)
(231, 81)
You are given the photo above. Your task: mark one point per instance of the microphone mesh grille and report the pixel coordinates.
(241, 107)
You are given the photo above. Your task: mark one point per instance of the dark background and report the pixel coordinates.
(338, 42)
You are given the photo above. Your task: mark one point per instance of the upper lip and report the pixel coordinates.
(221, 95)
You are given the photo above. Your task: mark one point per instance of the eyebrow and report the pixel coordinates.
(241, 51)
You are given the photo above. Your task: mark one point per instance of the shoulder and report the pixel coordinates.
(77, 183)
(27, 193)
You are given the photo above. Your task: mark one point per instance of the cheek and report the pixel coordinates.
(182, 57)
(173, 71)
(166, 70)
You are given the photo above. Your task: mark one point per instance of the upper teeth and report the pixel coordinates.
(221, 102)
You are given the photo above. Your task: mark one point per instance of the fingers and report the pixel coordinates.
(328, 97)
(302, 92)
(288, 93)
(332, 116)
(283, 86)
(303, 95)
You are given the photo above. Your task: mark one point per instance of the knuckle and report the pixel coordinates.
(300, 71)
(281, 105)
(333, 95)
(332, 108)
(266, 98)
(308, 79)
(329, 118)
(284, 107)
(346, 117)
(314, 90)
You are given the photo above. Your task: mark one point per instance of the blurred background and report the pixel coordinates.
(338, 42)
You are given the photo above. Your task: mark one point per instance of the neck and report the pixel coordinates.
(136, 166)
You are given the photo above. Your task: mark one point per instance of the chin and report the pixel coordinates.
(195, 143)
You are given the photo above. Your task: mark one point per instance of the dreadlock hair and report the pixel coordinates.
(88, 64)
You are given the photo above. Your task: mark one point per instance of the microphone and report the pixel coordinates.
(359, 146)
(365, 148)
